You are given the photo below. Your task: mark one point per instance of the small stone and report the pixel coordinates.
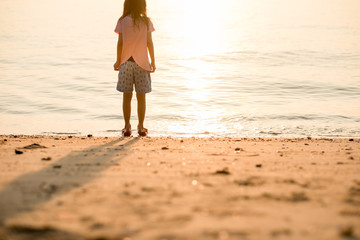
(238, 149)
(5, 140)
(351, 140)
(18, 151)
(258, 165)
(224, 171)
(46, 159)
(33, 146)
(70, 136)
(347, 231)
(165, 148)
(351, 158)
(181, 141)
(56, 138)
(309, 138)
(89, 135)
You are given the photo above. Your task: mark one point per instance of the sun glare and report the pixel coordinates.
(200, 23)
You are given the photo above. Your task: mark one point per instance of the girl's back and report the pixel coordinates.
(134, 37)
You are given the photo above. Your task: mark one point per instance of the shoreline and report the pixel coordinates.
(179, 136)
(90, 187)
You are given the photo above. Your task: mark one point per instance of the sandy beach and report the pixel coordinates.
(67, 187)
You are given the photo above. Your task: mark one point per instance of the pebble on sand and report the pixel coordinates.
(33, 146)
(18, 151)
(224, 171)
(238, 149)
(347, 231)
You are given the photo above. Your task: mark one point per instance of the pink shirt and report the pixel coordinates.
(134, 41)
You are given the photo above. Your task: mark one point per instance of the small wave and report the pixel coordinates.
(61, 133)
(113, 131)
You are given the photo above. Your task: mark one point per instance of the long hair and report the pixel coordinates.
(137, 10)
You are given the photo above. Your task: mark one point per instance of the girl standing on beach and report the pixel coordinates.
(135, 40)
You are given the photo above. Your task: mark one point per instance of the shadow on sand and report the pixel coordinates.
(29, 191)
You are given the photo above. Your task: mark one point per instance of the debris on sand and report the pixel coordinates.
(224, 171)
(251, 181)
(18, 151)
(347, 231)
(238, 149)
(298, 197)
(29, 229)
(294, 197)
(33, 146)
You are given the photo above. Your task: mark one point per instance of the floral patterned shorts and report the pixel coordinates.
(131, 74)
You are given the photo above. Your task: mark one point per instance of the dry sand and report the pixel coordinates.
(173, 188)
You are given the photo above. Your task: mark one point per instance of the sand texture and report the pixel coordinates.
(60, 187)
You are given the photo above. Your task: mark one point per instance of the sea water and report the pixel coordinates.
(235, 68)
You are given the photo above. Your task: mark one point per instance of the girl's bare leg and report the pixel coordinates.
(127, 109)
(141, 108)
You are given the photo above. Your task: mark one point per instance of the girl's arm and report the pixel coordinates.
(150, 46)
(118, 53)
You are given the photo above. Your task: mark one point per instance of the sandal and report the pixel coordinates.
(143, 133)
(126, 132)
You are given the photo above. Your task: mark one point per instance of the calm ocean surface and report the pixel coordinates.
(224, 68)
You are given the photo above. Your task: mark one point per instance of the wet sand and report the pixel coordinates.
(60, 187)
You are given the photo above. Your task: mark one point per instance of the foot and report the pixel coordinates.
(126, 132)
(142, 132)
